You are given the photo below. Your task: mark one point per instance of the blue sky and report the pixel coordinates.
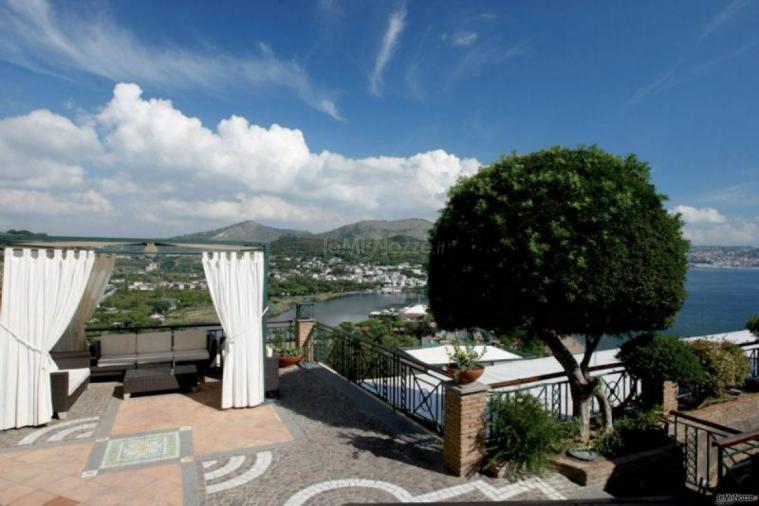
(167, 117)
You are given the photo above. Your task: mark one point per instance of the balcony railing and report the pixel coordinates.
(408, 385)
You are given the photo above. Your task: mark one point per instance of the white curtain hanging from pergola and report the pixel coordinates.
(236, 283)
(40, 296)
(75, 337)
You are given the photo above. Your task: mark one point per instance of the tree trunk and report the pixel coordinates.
(581, 404)
(603, 402)
(581, 384)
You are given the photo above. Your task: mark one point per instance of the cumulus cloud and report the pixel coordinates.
(707, 226)
(395, 25)
(33, 202)
(40, 38)
(695, 215)
(152, 166)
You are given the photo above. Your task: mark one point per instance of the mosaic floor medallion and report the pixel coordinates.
(141, 449)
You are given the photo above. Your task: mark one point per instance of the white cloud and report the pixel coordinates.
(707, 226)
(464, 39)
(32, 202)
(163, 171)
(395, 26)
(40, 38)
(695, 215)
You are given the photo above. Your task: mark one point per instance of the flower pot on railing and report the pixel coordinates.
(287, 361)
(465, 376)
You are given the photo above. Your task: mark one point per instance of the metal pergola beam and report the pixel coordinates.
(74, 242)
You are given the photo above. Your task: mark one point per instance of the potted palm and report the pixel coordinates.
(463, 364)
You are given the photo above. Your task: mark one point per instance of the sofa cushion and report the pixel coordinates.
(77, 377)
(151, 358)
(154, 342)
(123, 359)
(194, 339)
(118, 344)
(191, 355)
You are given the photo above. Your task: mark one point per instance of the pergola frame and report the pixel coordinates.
(150, 247)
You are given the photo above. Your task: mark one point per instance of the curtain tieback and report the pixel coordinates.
(45, 363)
(231, 339)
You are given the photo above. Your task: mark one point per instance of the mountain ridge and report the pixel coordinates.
(413, 228)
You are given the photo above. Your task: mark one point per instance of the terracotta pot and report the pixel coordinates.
(466, 376)
(291, 360)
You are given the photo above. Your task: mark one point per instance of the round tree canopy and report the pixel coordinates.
(568, 240)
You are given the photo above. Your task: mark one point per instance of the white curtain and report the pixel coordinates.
(75, 338)
(236, 283)
(40, 296)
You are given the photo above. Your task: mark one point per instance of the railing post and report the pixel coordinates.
(303, 329)
(464, 426)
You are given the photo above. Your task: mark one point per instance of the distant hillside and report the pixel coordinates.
(247, 231)
(407, 238)
(414, 228)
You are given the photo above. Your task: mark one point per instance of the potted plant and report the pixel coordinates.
(463, 366)
(287, 355)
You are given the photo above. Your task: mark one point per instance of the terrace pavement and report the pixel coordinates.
(322, 442)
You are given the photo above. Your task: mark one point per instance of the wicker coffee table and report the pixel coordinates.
(157, 379)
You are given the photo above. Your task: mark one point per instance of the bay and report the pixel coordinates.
(719, 300)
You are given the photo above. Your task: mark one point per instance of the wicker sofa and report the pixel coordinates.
(116, 353)
(69, 381)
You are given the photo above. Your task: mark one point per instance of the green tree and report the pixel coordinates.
(559, 242)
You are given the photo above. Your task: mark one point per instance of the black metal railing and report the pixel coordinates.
(737, 463)
(281, 333)
(408, 385)
(698, 440)
(753, 361)
(556, 396)
(138, 329)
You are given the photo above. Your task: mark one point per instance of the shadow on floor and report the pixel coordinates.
(367, 423)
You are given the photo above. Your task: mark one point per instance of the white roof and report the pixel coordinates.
(419, 309)
(548, 365)
(438, 355)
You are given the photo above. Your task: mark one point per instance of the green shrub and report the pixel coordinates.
(637, 431)
(753, 325)
(523, 434)
(655, 359)
(725, 366)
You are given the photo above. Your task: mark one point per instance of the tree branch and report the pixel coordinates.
(563, 355)
(591, 343)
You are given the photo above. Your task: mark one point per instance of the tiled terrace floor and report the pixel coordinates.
(322, 442)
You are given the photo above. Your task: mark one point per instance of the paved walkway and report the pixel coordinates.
(323, 442)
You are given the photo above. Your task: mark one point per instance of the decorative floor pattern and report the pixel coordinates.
(218, 479)
(400, 493)
(141, 449)
(63, 431)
